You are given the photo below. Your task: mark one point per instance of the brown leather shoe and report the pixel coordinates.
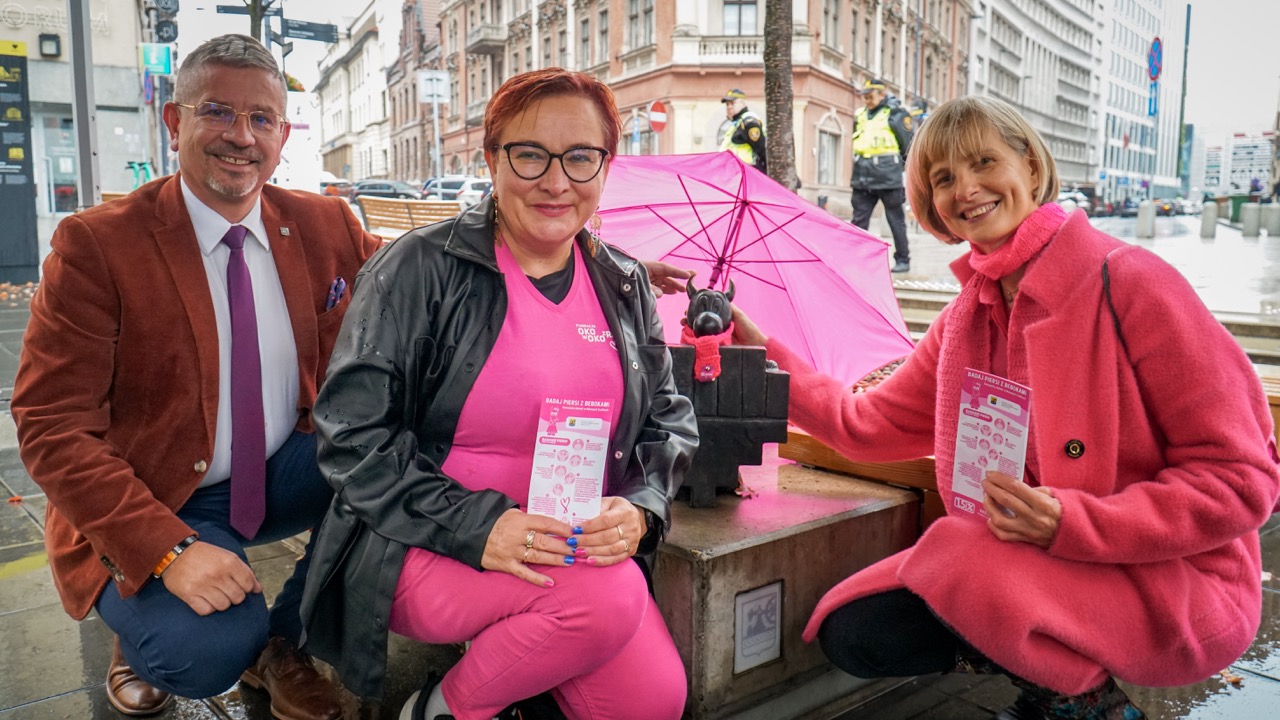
(130, 694)
(298, 691)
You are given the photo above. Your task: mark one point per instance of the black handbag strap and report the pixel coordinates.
(1115, 318)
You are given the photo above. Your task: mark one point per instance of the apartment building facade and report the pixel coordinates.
(688, 54)
(354, 96)
(1045, 58)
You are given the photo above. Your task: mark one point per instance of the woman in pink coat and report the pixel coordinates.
(1129, 549)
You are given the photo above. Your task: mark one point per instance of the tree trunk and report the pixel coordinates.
(257, 11)
(780, 146)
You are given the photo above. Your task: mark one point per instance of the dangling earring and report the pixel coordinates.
(497, 234)
(593, 233)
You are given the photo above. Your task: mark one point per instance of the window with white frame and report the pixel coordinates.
(584, 43)
(830, 22)
(602, 37)
(562, 48)
(639, 23)
(740, 17)
(828, 157)
(853, 34)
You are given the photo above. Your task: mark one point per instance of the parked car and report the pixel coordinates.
(465, 189)
(1128, 208)
(1166, 206)
(473, 191)
(338, 187)
(444, 187)
(388, 189)
(1080, 199)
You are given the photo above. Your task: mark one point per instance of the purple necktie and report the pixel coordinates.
(248, 429)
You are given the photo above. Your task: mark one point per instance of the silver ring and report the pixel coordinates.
(528, 539)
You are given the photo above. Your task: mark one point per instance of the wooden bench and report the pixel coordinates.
(109, 196)
(389, 219)
(1272, 387)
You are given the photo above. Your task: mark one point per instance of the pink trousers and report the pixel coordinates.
(596, 640)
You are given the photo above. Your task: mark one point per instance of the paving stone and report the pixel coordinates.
(916, 700)
(45, 654)
(17, 527)
(25, 580)
(1263, 656)
(13, 474)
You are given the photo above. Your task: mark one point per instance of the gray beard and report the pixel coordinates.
(231, 190)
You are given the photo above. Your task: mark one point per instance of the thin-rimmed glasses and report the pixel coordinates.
(530, 161)
(261, 122)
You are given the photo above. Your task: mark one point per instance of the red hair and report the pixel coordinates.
(519, 91)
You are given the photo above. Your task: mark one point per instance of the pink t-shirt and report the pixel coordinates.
(543, 350)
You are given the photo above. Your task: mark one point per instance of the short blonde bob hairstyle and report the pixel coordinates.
(955, 132)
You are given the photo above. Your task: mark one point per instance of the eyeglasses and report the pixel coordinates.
(223, 117)
(530, 162)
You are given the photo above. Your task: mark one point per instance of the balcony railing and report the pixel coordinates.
(731, 48)
(487, 39)
(475, 112)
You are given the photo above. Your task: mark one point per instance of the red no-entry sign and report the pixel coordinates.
(657, 116)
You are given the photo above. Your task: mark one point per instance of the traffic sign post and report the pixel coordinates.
(157, 58)
(1155, 59)
(433, 87)
(273, 11)
(302, 30)
(657, 112)
(166, 31)
(1155, 63)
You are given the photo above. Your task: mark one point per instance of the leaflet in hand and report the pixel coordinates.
(569, 458)
(992, 435)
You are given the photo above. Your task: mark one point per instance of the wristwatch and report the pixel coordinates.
(172, 555)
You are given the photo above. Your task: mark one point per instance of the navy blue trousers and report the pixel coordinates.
(864, 201)
(171, 647)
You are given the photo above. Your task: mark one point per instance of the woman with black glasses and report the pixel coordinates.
(480, 357)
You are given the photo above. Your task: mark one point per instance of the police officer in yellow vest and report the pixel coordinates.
(745, 136)
(881, 136)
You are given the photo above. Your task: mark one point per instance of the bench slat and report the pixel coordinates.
(390, 218)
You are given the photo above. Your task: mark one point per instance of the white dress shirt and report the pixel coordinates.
(276, 345)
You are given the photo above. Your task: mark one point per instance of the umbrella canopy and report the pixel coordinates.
(819, 285)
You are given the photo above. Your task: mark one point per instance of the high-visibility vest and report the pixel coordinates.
(743, 150)
(872, 134)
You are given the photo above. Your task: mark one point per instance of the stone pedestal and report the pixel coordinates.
(736, 583)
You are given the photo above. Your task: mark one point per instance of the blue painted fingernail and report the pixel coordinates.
(568, 560)
(577, 530)
(572, 542)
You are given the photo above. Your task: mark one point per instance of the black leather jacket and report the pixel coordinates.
(426, 312)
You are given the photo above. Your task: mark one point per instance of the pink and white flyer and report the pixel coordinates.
(992, 435)
(569, 459)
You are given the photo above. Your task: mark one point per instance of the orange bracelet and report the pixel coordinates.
(172, 555)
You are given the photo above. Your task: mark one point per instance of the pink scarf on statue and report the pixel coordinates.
(967, 336)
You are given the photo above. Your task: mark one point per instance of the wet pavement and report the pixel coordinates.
(53, 667)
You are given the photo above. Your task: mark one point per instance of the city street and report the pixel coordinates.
(53, 667)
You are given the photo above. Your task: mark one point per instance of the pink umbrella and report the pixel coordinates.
(818, 284)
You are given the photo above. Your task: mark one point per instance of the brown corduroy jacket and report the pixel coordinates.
(116, 397)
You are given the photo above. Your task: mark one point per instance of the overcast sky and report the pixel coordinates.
(1233, 64)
